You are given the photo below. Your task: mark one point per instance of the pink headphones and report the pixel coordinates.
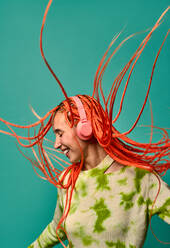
(84, 128)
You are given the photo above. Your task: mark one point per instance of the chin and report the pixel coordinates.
(75, 160)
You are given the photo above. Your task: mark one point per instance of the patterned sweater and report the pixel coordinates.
(108, 209)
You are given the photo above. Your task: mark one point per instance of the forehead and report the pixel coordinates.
(59, 121)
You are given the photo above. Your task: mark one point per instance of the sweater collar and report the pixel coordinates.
(102, 166)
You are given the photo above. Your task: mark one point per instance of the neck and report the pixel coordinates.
(93, 156)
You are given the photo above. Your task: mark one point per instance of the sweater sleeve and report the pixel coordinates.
(48, 238)
(162, 204)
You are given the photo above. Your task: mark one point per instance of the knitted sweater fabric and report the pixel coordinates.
(108, 209)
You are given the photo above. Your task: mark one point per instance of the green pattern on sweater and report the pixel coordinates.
(102, 213)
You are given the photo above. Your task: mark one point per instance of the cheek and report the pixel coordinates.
(75, 144)
(81, 146)
(69, 139)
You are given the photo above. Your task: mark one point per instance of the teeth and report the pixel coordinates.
(65, 152)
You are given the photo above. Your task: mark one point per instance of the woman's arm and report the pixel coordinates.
(162, 204)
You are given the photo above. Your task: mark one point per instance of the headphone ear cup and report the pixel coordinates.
(84, 130)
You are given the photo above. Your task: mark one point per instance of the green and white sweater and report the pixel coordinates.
(108, 210)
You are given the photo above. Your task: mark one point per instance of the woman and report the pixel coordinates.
(111, 203)
(108, 193)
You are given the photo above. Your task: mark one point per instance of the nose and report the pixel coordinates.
(57, 143)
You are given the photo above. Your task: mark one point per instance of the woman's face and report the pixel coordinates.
(66, 139)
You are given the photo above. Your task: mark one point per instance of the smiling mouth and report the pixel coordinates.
(66, 152)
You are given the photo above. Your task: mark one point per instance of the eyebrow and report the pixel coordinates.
(57, 130)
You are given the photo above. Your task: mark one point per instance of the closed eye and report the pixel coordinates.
(60, 135)
(58, 132)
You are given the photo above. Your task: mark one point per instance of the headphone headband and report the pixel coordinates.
(80, 108)
(84, 128)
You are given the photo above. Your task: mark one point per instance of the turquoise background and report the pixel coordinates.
(75, 38)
